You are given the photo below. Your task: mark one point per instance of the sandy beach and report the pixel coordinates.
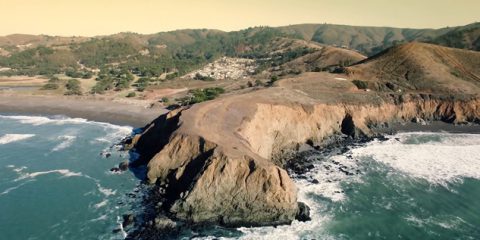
(120, 113)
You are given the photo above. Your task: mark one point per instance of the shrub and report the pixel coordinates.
(273, 79)
(201, 95)
(131, 94)
(360, 84)
(142, 83)
(73, 87)
(50, 86)
(165, 100)
(200, 77)
(102, 86)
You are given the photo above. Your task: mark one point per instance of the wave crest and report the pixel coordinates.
(9, 138)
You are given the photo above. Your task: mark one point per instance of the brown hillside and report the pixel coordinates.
(36, 40)
(326, 56)
(421, 67)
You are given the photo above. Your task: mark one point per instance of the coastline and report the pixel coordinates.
(431, 126)
(118, 113)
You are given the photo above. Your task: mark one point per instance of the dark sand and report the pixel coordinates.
(91, 109)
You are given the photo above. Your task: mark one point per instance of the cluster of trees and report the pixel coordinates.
(37, 61)
(201, 95)
(74, 73)
(72, 86)
(112, 78)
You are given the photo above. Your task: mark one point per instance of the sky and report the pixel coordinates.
(102, 17)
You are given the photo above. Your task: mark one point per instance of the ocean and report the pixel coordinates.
(55, 183)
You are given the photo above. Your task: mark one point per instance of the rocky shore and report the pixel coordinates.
(223, 161)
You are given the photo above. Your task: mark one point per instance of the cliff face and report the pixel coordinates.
(217, 163)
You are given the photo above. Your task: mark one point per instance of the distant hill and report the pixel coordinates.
(466, 37)
(372, 40)
(181, 51)
(421, 67)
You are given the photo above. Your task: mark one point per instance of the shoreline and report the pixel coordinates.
(430, 126)
(99, 110)
(298, 165)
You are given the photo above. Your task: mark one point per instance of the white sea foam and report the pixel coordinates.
(8, 190)
(101, 204)
(447, 158)
(38, 120)
(329, 179)
(9, 138)
(20, 169)
(120, 225)
(63, 172)
(105, 191)
(62, 120)
(101, 218)
(452, 157)
(67, 141)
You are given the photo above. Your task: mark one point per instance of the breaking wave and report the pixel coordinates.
(67, 141)
(9, 138)
(436, 157)
(62, 120)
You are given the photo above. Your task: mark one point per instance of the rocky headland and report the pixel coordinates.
(223, 161)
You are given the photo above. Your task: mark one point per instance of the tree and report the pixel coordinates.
(73, 87)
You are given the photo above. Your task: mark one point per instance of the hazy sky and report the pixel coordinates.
(99, 17)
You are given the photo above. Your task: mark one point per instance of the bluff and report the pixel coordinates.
(218, 161)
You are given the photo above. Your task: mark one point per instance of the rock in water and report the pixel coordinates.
(164, 224)
(123, 166)
(128, 219)
(303, 213)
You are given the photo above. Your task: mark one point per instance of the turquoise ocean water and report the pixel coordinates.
(55, 184)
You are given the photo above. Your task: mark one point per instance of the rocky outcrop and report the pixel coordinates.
(216, 162)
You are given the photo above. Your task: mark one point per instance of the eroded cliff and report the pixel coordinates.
(215, 159)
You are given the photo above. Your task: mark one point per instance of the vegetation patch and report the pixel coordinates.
(73, 87)
(360, 84)
(201, 95)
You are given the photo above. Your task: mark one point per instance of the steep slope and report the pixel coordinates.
(466, 37)
(323, 58)
(421, 67)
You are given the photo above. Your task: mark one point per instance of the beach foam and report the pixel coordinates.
(458, 157)
(101, 204)
(67, 141)
(63, 172)
(10, 138)
(62, 120)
